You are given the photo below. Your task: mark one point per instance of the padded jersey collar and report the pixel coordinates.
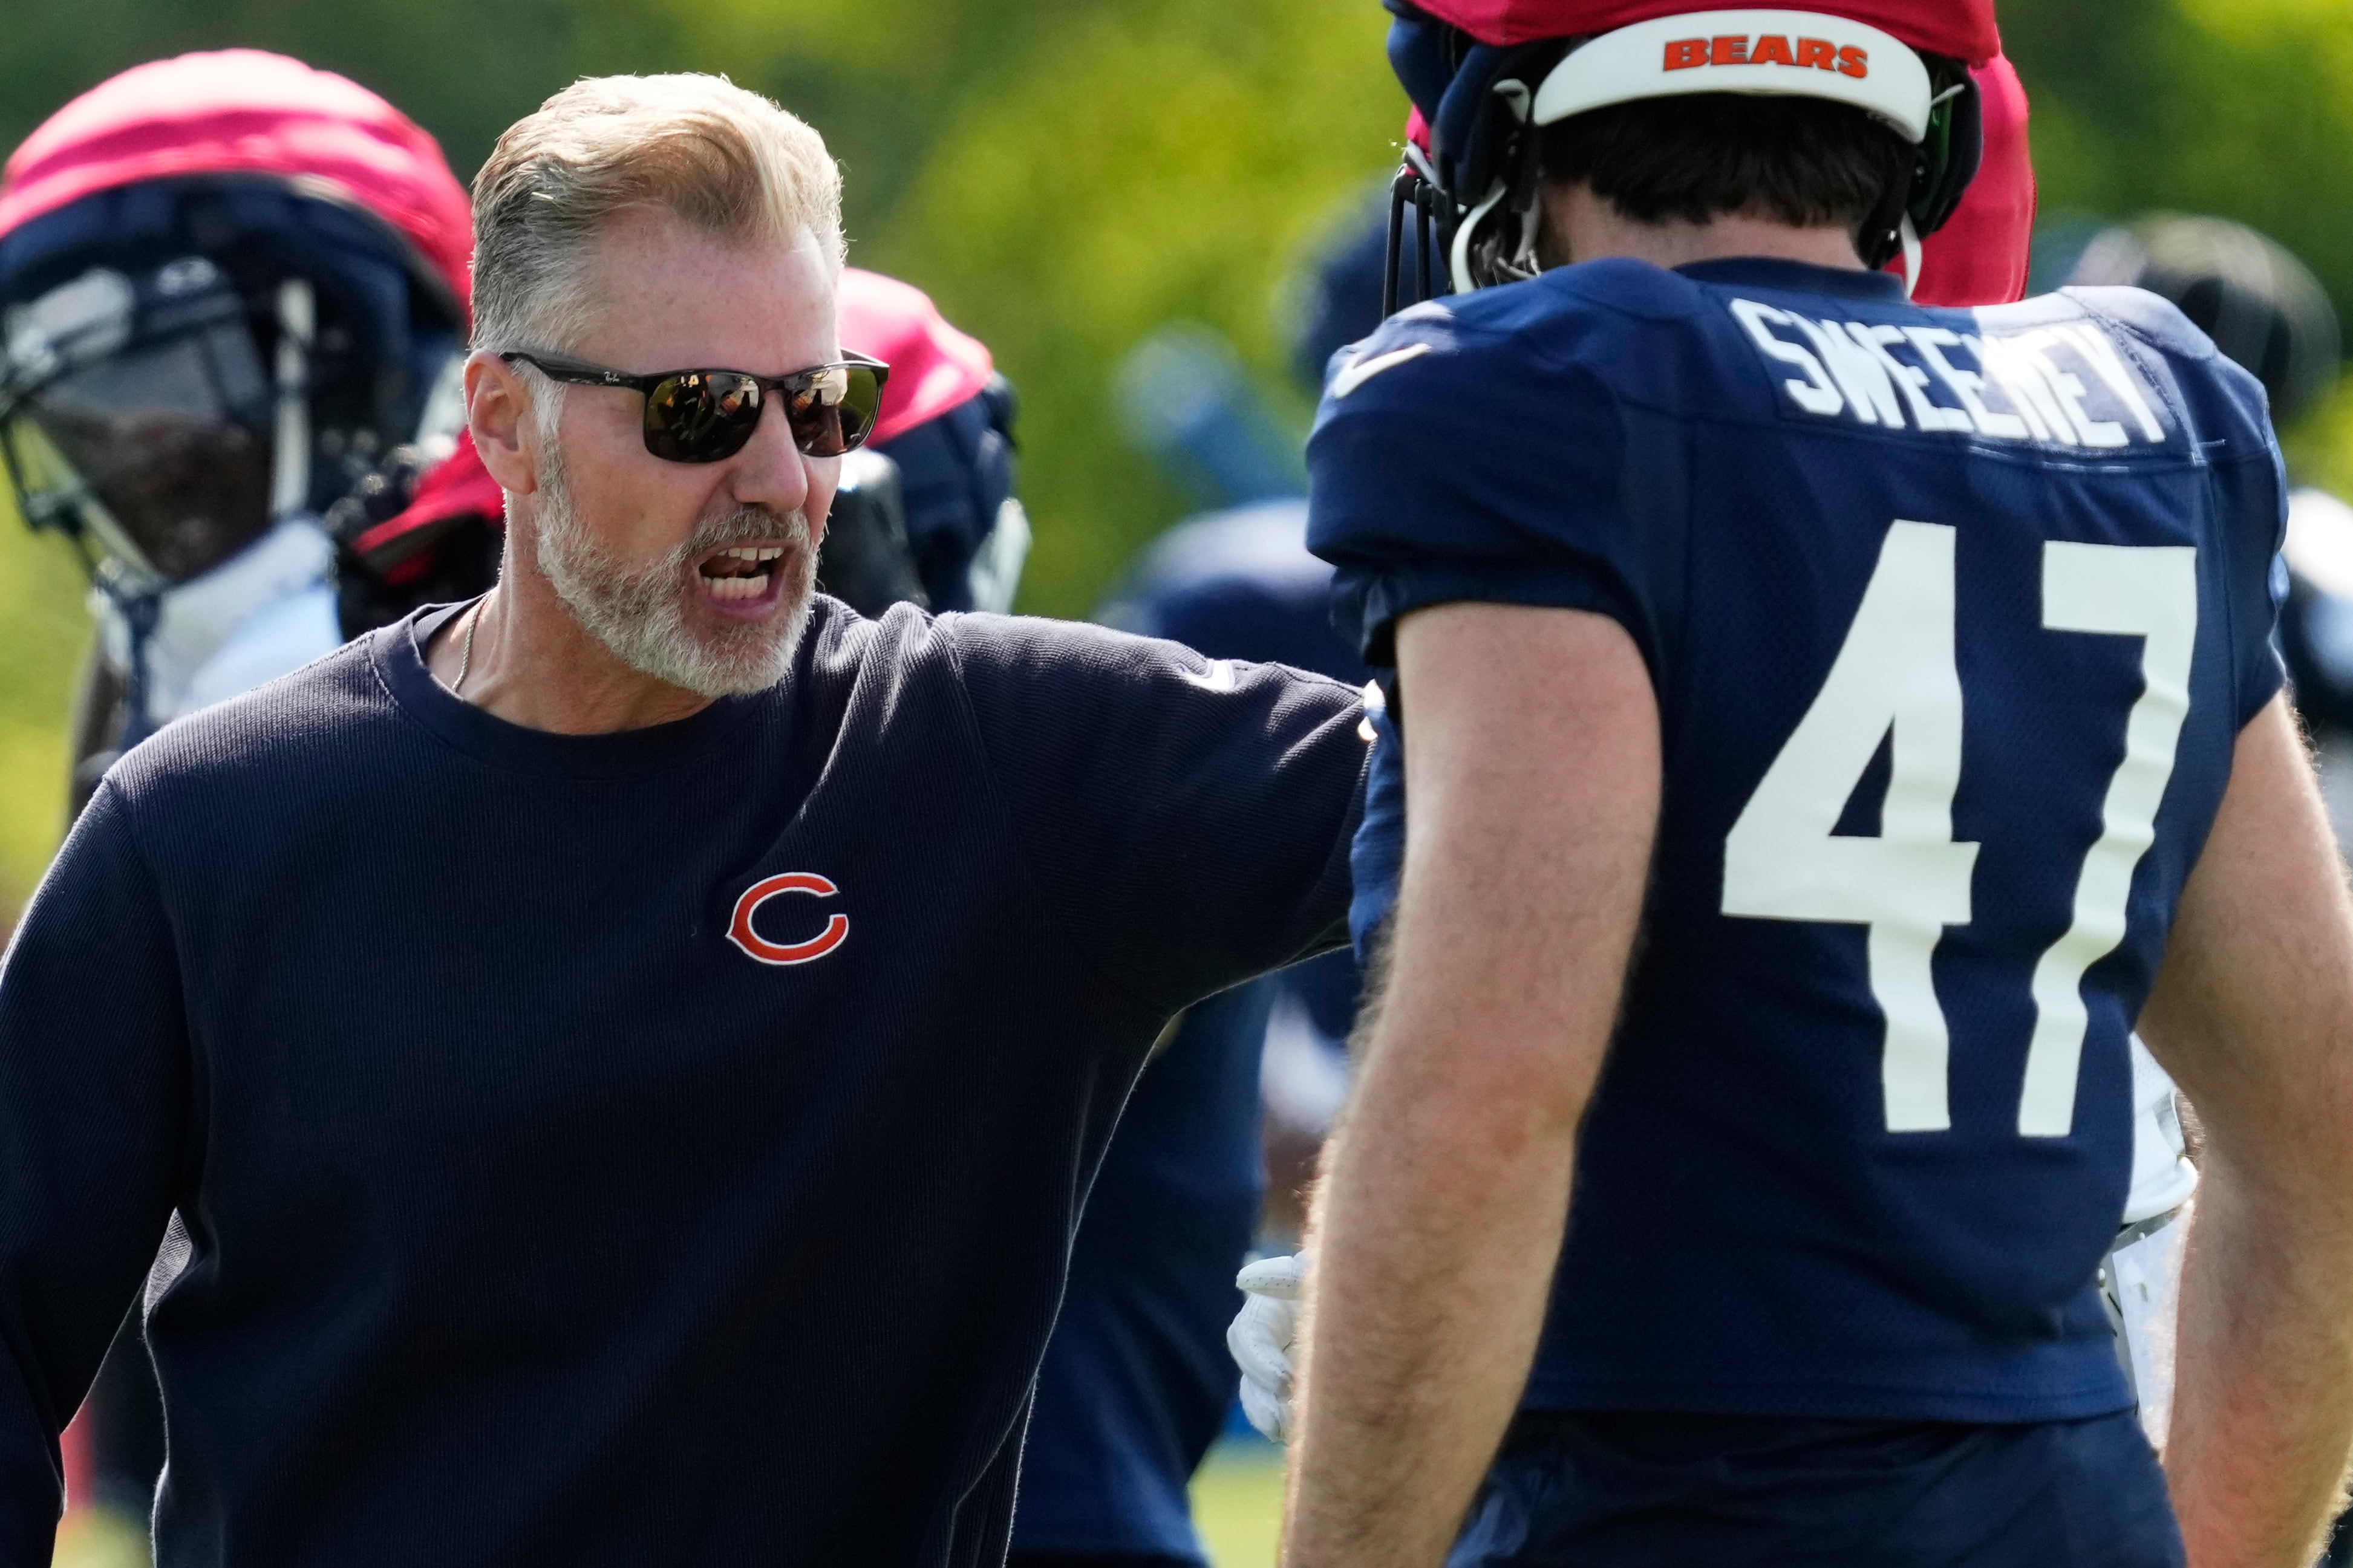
(396, 652)
(1795, 278)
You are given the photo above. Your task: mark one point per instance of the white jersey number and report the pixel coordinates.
(1896, 671)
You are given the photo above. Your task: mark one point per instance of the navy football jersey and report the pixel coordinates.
(1953, 619)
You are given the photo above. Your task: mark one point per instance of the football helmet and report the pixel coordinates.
(230, 287)
(1481, 74)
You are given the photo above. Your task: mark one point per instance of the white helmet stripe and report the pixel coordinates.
(1793, 53)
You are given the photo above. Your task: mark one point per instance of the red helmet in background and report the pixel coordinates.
(941, 458)
(247, 111)
(233, 288)
(1979, 255)
(934, 366)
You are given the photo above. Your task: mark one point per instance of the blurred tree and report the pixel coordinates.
(2241, 107)
(1155, 159)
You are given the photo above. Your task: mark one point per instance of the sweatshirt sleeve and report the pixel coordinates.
(93, 1086)
(1187, 819)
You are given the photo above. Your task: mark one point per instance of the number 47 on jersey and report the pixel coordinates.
(1897, 671)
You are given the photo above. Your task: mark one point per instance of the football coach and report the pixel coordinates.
(620, 1061)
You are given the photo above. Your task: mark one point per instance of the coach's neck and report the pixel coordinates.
(534, 665)
(1581, 227)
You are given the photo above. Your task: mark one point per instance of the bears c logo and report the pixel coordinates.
(759, 948)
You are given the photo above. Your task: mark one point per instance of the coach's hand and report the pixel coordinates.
(1260, 1338)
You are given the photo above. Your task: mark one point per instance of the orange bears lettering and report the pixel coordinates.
(1769, 49)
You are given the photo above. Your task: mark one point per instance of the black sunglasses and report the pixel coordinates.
(707, 416)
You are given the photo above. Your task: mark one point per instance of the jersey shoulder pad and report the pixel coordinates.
(1475, 360)
(2225, 401)
(2153, 319)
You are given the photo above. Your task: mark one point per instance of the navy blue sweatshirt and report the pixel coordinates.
(658, 1147)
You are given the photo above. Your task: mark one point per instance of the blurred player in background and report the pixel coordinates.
(948, 531)
(1831, 1296)
(233, 290)
(1137, 1381)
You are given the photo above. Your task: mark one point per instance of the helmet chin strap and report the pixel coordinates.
(1910, 234)
(1514, 256)
(1459, 262)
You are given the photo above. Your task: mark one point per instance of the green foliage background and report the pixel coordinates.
(1065, 174)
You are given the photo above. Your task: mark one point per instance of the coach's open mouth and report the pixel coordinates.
(743, 571)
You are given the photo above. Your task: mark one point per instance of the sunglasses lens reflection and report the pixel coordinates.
(707, 416)
(702, 416)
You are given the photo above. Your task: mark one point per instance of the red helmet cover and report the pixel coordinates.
(245, 112)
(934, 367)
(1980, 256)
(1963, 29)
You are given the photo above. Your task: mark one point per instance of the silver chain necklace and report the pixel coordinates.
(466, 660)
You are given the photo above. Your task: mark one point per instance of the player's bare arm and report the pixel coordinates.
(2253, 1012)
(1534, 768)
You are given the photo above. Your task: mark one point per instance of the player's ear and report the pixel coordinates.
(1556, 203)
(498, 413)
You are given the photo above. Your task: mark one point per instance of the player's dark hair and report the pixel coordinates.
(1698, 156)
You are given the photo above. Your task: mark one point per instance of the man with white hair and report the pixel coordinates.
(627, 1054)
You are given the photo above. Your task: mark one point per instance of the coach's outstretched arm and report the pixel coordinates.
(93, 1090)
(2252, 1014)
(1532, 759)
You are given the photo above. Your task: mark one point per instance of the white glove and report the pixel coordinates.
(1260, 1338)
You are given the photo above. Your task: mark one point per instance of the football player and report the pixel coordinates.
(235, 288)
(231, 285)
(1979, 255)
(1905, 675)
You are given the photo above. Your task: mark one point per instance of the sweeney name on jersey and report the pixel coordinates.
(2062, 384)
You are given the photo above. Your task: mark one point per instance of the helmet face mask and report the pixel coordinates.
(140, 411)
(230, 286)
(151, 346)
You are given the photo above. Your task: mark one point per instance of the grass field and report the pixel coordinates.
(1238, 1503)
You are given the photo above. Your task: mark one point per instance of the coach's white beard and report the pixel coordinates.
(641, 616)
